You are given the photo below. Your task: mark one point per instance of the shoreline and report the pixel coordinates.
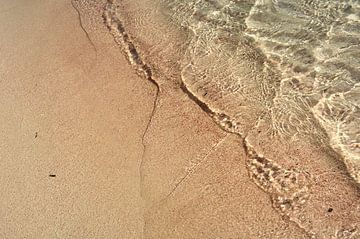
(302, 206)
(91, 148)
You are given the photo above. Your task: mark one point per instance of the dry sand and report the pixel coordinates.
(71, 112)
(83, 155)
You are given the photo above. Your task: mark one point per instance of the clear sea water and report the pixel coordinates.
(292, 63)
(282, 74)
(286, 68)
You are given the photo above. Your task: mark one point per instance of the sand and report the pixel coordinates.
(84, 154)
(70, 112)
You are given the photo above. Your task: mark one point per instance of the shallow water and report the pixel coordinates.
(315, 46)
(289, 67)
(283, 75)
(294, 64)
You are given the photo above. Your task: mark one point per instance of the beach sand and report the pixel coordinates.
(73, 112)
(85, 154)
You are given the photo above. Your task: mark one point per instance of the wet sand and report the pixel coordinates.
(85, 155)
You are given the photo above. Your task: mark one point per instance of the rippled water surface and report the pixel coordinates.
(283, 75)
(293, 64)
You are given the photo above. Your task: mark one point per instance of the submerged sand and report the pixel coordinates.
(84, 153)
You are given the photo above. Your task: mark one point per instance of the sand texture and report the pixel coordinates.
(101, 138)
